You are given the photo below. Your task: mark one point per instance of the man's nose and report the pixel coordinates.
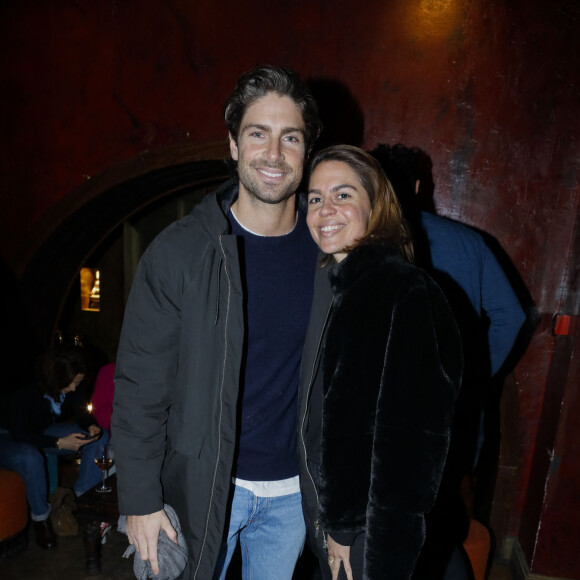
(274, 152)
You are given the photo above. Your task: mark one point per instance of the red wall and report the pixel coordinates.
(488, 88)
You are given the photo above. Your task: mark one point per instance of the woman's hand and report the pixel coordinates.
(75, 441)
(337, 554)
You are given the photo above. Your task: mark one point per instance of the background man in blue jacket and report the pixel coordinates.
(490, 318)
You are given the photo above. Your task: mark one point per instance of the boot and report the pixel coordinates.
(45, 536)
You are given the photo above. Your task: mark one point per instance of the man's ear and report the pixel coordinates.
(233, 147)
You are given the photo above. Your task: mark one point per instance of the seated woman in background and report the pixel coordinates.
(47, 417)
(381, 371)
(103, 396)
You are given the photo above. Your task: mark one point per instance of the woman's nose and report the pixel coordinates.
(327, 208)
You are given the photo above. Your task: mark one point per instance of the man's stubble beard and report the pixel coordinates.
(265, 193)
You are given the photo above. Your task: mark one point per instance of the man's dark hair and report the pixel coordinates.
(257, 83)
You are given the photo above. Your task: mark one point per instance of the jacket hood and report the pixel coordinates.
(211, 213)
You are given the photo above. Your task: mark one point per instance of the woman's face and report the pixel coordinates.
(75, 383)
(339, 207)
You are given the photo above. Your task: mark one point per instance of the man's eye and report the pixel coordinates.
(257, 134)
(292, 139)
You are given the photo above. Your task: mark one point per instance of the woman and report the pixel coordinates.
(103, 396)
(381, 371)
(50, 418)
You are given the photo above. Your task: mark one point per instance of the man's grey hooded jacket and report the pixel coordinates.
(177, 376)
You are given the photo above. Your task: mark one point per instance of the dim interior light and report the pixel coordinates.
(433, 19)
(90, 289)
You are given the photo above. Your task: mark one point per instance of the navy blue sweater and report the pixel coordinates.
(278, 274)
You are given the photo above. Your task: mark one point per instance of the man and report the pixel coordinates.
(489, 316)
(461, 262)
(208, 362)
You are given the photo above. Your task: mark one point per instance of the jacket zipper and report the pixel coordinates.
(310, 382)
(226, 326)
(217, 300)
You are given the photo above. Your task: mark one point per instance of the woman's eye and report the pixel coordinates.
(343, 196)
(313, 200)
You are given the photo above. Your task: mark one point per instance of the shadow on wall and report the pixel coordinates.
(340, 113)
(496, 317)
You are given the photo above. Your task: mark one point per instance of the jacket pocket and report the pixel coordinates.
(184, 439)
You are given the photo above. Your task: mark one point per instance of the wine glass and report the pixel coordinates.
(104, 460)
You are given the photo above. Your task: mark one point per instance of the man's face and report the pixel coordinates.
(270, 149)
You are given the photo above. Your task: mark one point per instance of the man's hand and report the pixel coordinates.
(143, 533)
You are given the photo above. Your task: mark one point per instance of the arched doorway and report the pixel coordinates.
(93, 219)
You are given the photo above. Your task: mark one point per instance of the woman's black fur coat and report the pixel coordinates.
(391, 367)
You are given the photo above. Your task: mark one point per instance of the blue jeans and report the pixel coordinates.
(271, 532)
(28, 461)
(89, 474)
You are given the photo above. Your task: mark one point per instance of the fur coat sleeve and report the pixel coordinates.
(391, 372)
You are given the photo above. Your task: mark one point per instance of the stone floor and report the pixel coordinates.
(67, 562)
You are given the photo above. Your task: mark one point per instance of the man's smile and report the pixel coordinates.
(270, 173)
